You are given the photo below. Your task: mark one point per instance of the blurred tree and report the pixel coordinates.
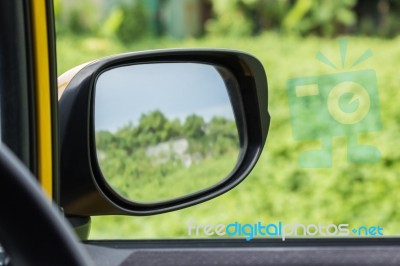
(113, 22)
(229, 19)
(77, 17)
(269, 14)
(378, 17)
(137, 19)
(134, 24)
(325, 18)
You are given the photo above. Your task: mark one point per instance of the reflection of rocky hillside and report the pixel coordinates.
(159, 141)
(173, 150)
(101, 155)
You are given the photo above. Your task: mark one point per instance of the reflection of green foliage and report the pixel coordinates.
(152, 129)
(222, 132)
(194, 127)
(133, 161)
(142, 180)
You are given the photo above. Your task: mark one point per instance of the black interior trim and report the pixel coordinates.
(54, 99)
(235, 252)
(368, 256)
(33, 165)
(241, 243)
(15, 80)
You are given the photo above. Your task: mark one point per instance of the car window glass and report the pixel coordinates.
(330, 167)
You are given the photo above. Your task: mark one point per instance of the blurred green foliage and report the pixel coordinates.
(126, 21)
(134, 22)
(230, 19)
(130, 20)
(325, 18)
(285, 35)
(278, 189)
(77, 17)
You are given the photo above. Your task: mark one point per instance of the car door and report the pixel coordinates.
(28, 231)
(29, 127)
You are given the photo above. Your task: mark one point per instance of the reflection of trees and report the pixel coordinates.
(194, 127)
(157, 146)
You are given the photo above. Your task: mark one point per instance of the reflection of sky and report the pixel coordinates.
(176, 89)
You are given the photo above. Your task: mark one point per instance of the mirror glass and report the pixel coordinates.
(164, 130)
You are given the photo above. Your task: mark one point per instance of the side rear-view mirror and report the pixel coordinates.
(151, 132)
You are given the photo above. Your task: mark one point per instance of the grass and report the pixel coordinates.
(155, 188)
(278, 189)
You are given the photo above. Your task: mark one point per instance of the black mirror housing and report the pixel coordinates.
(83, 189)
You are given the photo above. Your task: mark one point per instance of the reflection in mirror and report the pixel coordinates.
(164, 130)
